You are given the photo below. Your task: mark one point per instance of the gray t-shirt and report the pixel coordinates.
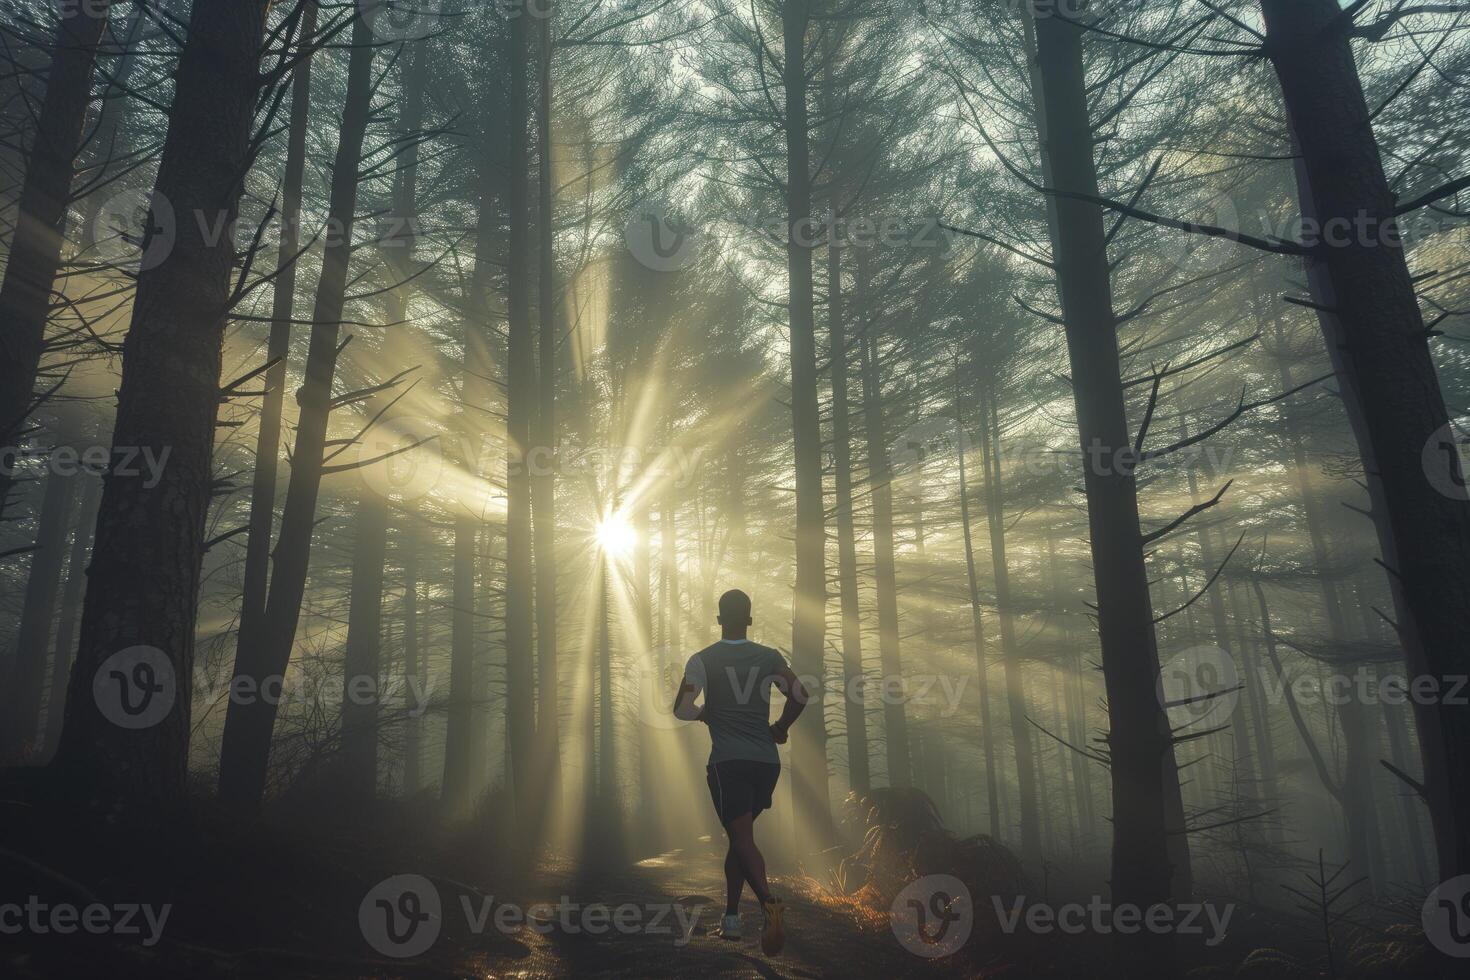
(736, 677)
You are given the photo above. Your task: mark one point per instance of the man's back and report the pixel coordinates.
(736, 677)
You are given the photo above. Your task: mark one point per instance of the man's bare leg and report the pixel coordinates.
(734, 881)
(751, 862)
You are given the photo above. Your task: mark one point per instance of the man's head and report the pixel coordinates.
(734, 612)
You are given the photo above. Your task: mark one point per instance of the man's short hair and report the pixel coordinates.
(735, 607)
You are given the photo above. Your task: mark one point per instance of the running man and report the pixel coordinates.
(736, 677)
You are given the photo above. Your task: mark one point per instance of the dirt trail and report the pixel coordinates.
(821, 942)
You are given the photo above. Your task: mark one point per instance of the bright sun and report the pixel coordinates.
(615, 536)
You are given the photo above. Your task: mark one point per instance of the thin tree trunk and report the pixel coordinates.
(27, 673)
(977, 625)
(994, 491)
(847, 576)
(608, 802)
(543, 481)
(1071, 701)
(668, 547)
(520, 409)
(413, 656)
(1244, 768)
(895, 721)
(364, 652)
(808, 630)
(245, 748)
(278, 347)
(40, 223)
(468, 672)
(362, 667)
(143, 583)
(459, 749)
(1255, 697)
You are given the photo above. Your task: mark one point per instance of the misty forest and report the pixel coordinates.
(390, 390)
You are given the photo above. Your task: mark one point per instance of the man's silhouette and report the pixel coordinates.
(735, 676)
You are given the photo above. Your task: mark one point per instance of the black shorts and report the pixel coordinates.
(740, 786)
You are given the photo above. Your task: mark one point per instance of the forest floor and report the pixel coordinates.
(369, 893)
(245, 900)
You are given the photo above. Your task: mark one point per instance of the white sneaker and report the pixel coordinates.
(730, 928)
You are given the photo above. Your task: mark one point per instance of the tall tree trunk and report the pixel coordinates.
(994, 491)
(245, 748)
(808, 630)
(1140, 746)
(895, 719)
(71, 608)
(40, 223)
(521, 394)
(468, 673)
(853, 679)
(543, 481)
(143, 583)
(27, 673)
(1378, 341)
(363, 667)
(278, 347)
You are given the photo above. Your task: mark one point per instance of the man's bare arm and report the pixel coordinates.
(684, 706)
(796, 699)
